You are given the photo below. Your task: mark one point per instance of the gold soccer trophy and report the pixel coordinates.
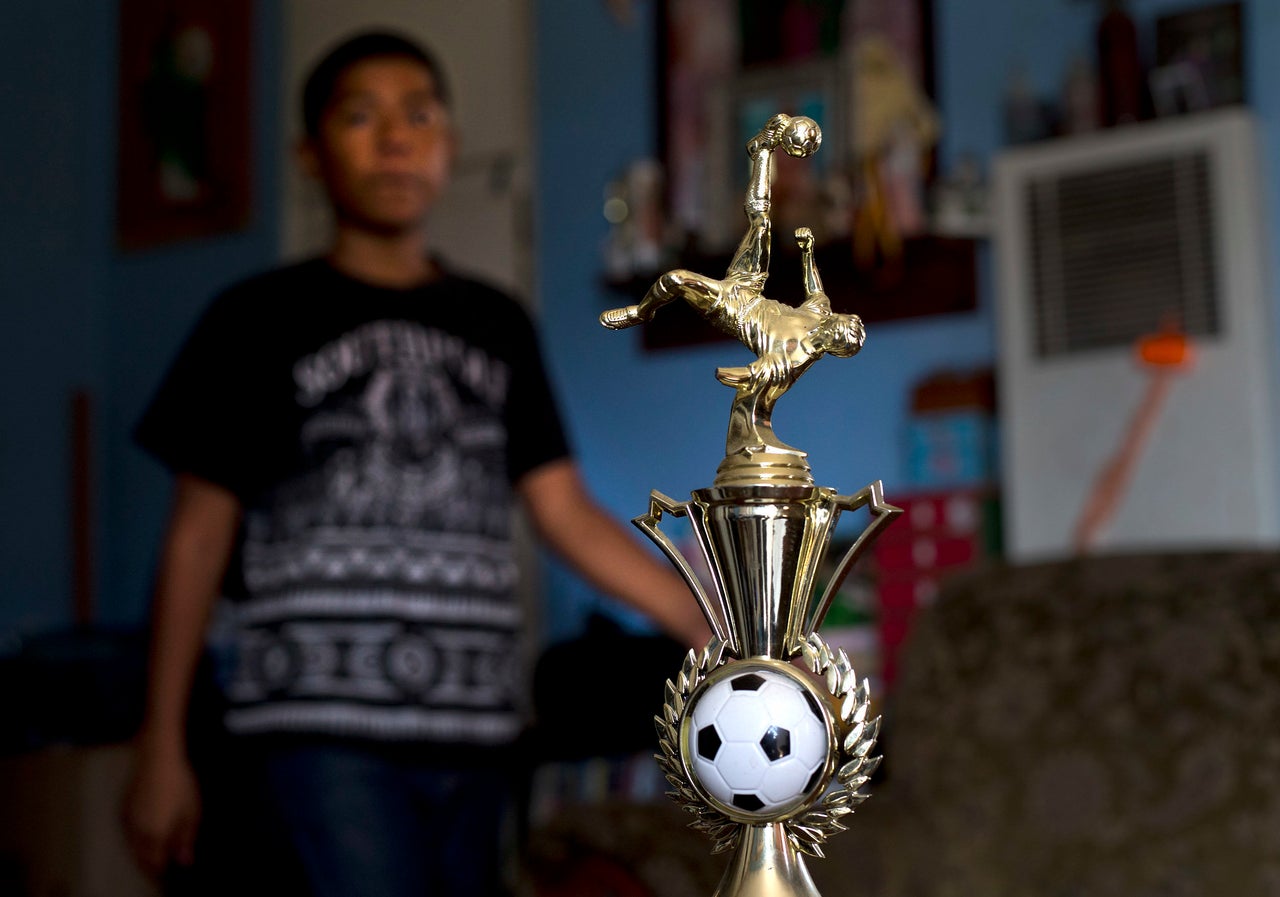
(767, 760)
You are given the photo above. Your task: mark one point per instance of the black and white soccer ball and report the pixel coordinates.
(757, 741)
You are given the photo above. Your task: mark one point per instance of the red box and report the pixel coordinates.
(939, 534)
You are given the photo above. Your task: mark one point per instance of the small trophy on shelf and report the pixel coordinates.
(767, 759)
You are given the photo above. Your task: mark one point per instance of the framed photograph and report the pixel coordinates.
(726, 66)
(1199, 60)
(737, 108)
(184, 154)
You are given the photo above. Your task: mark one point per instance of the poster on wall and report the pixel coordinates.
(184, 151)
(726, 65)
(864, 69)
(1199, 60)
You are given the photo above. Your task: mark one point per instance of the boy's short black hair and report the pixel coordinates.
(320, 84)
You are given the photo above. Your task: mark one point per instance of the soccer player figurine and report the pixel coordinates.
(786, 339)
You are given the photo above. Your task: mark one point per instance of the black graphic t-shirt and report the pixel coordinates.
(373, 436)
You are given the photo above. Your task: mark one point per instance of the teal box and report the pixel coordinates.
(952, 448)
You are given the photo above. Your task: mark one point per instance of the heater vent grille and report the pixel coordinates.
(1119, 251)
(1098, 240)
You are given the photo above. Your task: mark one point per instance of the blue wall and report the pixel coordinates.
(79, 315)
(76, 314)
(52, 309)
(657, 420)
(646, 420)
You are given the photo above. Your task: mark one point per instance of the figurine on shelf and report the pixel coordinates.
(894, 127)
(786, 339)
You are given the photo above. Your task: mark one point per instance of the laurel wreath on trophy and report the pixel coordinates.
(856, 736)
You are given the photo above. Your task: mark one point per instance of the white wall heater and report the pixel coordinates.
(1098, 239)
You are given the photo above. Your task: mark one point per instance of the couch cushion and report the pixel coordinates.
(1091, 727)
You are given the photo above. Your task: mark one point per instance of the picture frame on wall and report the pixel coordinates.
(737, 109)
(722, 63)
(184, 145)
(724, 68)
(1199, 60)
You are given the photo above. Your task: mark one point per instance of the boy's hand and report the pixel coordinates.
(161, 811)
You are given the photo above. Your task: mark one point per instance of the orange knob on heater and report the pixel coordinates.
(1169, 348)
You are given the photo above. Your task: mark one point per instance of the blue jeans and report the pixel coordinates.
(365, 823)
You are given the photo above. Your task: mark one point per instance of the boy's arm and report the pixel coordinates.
(162, 806)
(587, 537)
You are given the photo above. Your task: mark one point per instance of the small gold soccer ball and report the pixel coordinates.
(801, 137)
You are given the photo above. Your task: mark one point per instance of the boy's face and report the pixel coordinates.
(384, 147)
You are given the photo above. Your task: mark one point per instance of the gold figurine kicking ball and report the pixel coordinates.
(785, 339)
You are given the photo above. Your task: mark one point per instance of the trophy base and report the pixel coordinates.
(768, 467)
(765, 864)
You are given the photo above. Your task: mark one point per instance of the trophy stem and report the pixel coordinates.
(763, 546)
(765, 864)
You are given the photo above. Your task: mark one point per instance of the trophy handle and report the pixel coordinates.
(648, 524)
(882, 515)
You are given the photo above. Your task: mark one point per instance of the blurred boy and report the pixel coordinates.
(348, 435)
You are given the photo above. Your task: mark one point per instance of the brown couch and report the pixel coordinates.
(1097, 727)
